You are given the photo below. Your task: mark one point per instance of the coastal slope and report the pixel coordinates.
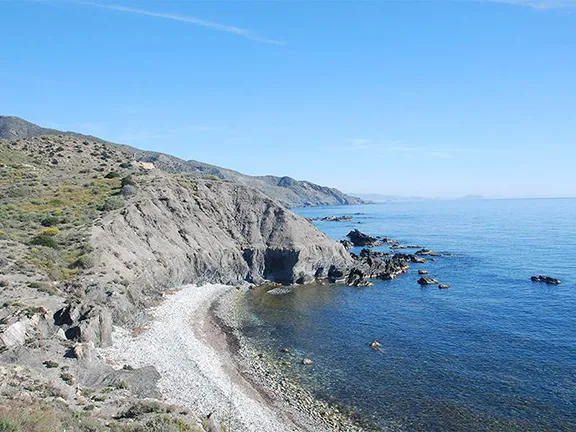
(186, 230)
(92, 238)
(288, 191)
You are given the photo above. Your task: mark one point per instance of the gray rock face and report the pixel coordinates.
(85, 323)
(210, 231)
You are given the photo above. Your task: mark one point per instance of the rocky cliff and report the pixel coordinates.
(109, 234)
(181, 230)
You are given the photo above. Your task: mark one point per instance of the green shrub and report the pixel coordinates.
(84, 262)
(19, 191)
(128, 180)
(50, 232)
(165, 423)
(7, 425)
(143, 407)
(125, 165)
(113, 203)
(50, 221)
(43, 240)
(112, 174)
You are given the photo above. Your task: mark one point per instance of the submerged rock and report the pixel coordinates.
(279, 291)
(307, 362)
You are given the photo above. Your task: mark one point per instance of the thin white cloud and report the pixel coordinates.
(186, 19)
(439, 155)
(539, 4)
(360, 144)
(366, 145)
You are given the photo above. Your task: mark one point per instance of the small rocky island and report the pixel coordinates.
(546, 279)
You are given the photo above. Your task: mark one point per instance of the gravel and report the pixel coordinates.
(196, 367)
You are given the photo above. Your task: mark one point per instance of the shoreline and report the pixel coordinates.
(207, 366)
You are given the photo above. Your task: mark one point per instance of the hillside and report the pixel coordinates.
(289, 192)
(90, 237)
(93, 235)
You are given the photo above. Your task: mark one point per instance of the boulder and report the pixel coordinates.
(422, 272)
(85, 323)
(427, 281)
(360, 239)
(443, 286)
(307, 362)
(375, 345)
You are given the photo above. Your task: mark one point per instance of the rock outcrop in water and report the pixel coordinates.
(332, 218)
(427, 281)
(368, 267)
(360, 239)
(546, 279)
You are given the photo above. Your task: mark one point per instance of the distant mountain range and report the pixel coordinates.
(373, 197)
(286, 190)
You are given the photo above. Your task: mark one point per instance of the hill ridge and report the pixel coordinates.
(286, 190)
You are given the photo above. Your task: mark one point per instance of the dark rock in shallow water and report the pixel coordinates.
(427, 281)
(443, 286)
(427, 252)
(357, 278)
(389, 241)
(333, 218)
(411, 258)
(306, 278)
(336, 275)
(399, 246)
(546, 279)
(360, 239)
(422, 272)
(371, 267)
(365, 253)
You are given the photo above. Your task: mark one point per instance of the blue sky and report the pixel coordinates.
(421, 98)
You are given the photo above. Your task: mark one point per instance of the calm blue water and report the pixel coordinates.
(494, 352)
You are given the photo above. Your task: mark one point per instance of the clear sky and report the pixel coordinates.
(421, 98)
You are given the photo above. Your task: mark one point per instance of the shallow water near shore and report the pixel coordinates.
(494, 352)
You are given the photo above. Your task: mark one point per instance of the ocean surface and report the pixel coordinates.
(494, 352)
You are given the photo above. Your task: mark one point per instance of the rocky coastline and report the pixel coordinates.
(206, 365)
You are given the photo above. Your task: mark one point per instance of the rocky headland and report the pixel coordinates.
(94, 236)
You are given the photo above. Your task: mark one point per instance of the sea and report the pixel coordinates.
(494, 352)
